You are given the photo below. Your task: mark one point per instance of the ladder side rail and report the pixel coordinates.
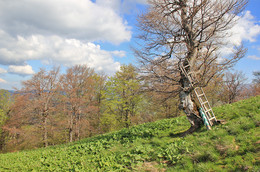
(186, 74)
(200, 100)
(198, 97)
(206, 110)
(205, 96)
(213, 115)
(209, 112)
(193, 77)
(208, 115)
(207, 107)
(203, 106)
(206, 99)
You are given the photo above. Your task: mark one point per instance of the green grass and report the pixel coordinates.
(233, 146)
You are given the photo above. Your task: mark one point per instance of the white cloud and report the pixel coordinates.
(245, 29)
(2, 80)
(61, 32)
(70, 52)
(21, 70)
(56, 50)
(2, 71)
(73, 19)
(119, 53)
(15, 51)
(254, 57)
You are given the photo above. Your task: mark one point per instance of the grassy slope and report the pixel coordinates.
(156, 146)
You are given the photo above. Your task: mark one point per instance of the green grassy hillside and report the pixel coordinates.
(156, 146)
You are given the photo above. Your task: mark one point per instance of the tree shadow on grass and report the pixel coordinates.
(175, 135)
(187, 132)
(192, 130)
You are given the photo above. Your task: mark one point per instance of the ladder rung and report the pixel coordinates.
(186, 66)
(204, 102)
(200, 95)
(212, 119)
(197, 88)
(207, 110)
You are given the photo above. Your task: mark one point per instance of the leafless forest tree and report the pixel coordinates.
(233, 85)
(77, 86)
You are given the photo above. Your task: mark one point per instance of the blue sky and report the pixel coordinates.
(99, 33)
(252, 60)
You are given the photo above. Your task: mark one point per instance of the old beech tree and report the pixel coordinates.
(186, 31)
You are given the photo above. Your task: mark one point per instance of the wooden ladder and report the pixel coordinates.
(200, 94)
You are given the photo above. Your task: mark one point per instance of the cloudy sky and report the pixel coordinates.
(99, 33)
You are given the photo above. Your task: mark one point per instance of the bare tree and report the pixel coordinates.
(256, 84)
(39, 92)
(256, 80)
(188, 33)
(100, 86)
(77, 86)
(5, 104)
(214, 90)
(233, 85)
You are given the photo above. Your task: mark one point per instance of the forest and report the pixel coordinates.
(53, 108)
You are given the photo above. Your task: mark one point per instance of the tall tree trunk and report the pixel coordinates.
(127, 119)
(98, 116)
(71, 128)
(2, 140)
(190, 109)
(77, 126)
(188, 106)
(45, 131)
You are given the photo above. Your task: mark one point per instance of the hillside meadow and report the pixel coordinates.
(157, 146)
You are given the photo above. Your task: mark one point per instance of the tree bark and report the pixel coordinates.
(2, 140)
(70, 128)
(188, 105)
(45, 134)
(127, 118)
(77, 126)
(190, 109)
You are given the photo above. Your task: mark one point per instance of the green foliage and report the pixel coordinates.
(230, 147)
(3, 117)
(5, 102)
(121, 99)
